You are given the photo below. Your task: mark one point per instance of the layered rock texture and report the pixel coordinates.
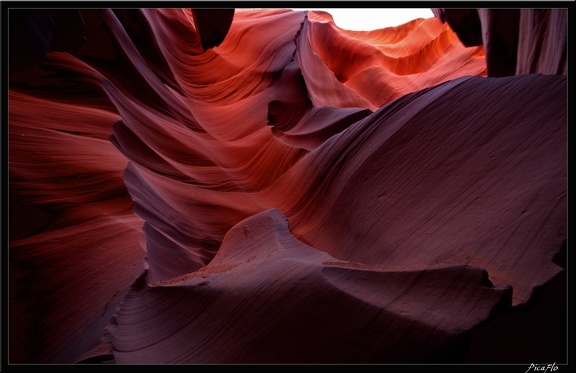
(262, 186)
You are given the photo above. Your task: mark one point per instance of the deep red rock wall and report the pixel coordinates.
(261, 186)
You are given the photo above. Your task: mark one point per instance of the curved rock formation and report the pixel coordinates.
(268, 298)
(261, 186)
(516, 41)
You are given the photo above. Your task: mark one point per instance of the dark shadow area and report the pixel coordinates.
(535, 333)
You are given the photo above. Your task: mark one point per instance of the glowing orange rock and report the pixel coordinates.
(393, 158)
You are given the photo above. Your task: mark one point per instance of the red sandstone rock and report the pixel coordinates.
(404, 185)
(268, 298)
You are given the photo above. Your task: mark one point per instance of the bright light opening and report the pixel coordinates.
(372, 19)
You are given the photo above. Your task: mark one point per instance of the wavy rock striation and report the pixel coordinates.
(261, 186)
(268, 298)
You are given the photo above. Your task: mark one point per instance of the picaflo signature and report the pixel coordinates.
(542, 368)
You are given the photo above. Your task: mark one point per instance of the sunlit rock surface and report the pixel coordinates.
(261, 186)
